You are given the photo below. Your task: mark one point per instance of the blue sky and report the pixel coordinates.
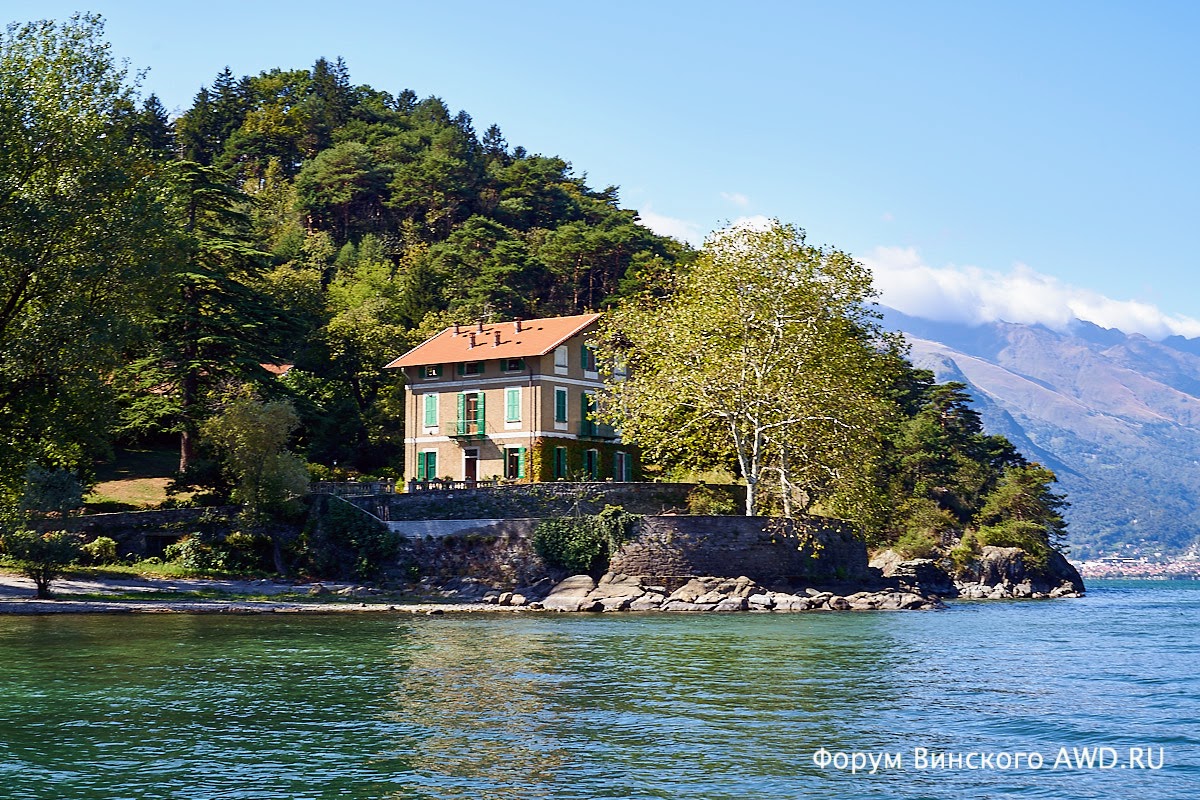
(1019, 160)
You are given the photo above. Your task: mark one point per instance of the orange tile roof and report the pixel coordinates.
(536, 337)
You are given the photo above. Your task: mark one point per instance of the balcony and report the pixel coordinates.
(471, 428)
(596, 431)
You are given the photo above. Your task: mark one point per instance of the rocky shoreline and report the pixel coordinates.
(894, 584)
(616, 592)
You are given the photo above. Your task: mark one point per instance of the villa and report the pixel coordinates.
(508, 400)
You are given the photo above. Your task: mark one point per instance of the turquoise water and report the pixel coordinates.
(579, 706)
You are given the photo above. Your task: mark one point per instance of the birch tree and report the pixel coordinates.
(767, 347)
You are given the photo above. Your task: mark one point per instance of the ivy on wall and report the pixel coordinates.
(541, 459)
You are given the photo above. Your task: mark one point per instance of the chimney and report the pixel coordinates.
(481, 326)
(456, 329)
(517, 325)
(472, 342)
(496, 340)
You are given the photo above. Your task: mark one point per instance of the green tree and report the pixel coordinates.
(41, 557)
(216, 323)
(50, 491)
(252, 437)
(1025, 509)
(82, 231)
(775, 342)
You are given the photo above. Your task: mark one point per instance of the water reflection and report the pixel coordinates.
(630, 707)
(474, 702)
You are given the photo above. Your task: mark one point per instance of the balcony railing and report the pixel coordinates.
(352, 488)
(596, 430)
(440, 485)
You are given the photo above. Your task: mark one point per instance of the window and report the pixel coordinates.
(431, 371)
(431, 410)
(588, 359)
(512, 405)
(560, 404)
(622, 467)
(471, 413)
(471, 368)
(514, 462)
(587, 424)
(512, 364)
(560, 360)
(591, 463)
(560, 462)
(427, 465)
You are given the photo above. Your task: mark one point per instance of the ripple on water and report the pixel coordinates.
(600, 706)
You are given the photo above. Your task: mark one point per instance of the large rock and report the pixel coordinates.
(921, 575)
(571, 595)
(1003, 572)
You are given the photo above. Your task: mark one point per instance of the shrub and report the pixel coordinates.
(917, 544)
(101, 550)
(584, 543)
(1029, 536)
(707, 501)
(966, 551)
(41, 557)
(340, 541)
(193, 553)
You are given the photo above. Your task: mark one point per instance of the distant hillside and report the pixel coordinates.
(1116, 416)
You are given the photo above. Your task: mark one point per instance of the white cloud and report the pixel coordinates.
(737, 198)
(681, 229)
(973, 295)
(755, 222)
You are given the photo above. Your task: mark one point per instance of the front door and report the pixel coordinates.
(471, 464)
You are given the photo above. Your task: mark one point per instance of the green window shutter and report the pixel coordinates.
(431, 465)
(560, 462)
(462, 413)
(617, 466)
(461, 368)
(431, 410)
(422, 471)
(588, 425)
(628, 476)
(560, 405)
(479, 413)
(512, 405)
(520, 462)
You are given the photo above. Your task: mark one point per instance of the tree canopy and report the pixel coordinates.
(768, 348)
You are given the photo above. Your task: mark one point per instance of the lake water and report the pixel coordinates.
(621, 706)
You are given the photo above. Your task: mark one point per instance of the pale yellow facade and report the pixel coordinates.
(533, 424)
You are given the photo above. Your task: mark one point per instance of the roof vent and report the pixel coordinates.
(457, 331)
(481, 326)
(517, 325)
(496, 340)
(472, 342)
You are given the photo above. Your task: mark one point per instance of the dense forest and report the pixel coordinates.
(152, 266)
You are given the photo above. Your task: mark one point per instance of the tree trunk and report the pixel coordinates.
(187, 450)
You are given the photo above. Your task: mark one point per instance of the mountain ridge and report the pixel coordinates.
(1115, 415)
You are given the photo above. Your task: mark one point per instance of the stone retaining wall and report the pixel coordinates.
(147, 533)
(669, 549)
(767, 550)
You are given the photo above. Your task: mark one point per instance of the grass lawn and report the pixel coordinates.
(133, 480)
